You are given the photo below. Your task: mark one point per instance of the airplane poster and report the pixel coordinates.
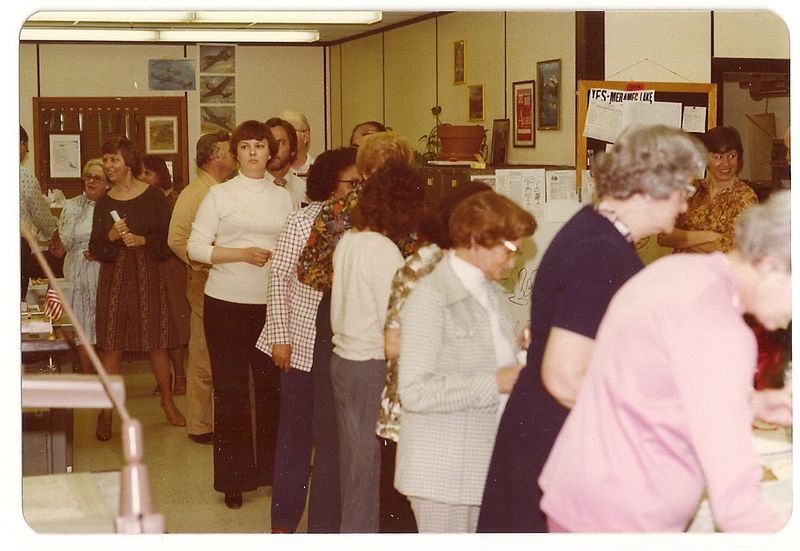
(217, 89)
(171, 74)
(217, 59)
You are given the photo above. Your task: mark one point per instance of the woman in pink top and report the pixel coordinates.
(666, 407)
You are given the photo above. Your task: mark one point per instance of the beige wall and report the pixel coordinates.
(396, 76)
(750, 34)
(268, 80)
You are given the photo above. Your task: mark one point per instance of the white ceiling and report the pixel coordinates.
(328, 33)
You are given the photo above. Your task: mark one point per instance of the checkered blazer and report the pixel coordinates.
(448, 389)
(291, 305)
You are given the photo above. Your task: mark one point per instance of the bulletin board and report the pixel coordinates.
(688, 94)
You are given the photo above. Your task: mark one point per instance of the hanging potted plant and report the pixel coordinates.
(452, 142)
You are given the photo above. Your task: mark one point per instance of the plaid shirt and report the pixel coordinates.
(291, 305)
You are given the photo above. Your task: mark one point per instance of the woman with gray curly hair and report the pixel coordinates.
(658, 424)
(642, 185)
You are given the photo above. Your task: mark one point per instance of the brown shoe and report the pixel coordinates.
(103, 431)
(205, 438)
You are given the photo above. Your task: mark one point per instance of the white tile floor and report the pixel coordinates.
(181, 471)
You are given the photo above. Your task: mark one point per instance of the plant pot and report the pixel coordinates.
(460, 142)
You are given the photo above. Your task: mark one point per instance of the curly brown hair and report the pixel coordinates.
(391, 202)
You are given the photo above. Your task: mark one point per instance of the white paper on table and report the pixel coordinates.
(694, 119)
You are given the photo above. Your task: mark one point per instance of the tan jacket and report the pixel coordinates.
(180, 225)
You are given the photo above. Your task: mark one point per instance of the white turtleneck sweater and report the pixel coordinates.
(241, 212)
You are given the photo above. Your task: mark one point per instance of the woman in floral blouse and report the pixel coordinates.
(721, 197)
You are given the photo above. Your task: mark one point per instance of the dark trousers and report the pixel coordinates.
(24, 265)
(232, 330)
(324, 505)
(293, 451)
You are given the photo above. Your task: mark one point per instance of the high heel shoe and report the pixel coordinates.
(174, 416)
(179, 384)
(103, 431)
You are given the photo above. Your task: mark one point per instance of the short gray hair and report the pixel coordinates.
(765, 230)
(649, 160)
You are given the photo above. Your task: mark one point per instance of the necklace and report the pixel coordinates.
(604, 210)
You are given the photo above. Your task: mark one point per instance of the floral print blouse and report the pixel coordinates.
(718, 214)
(416, 267)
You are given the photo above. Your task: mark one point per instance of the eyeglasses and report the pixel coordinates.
(93, 178)
(512, 249)
(354, 182)
(689, 191)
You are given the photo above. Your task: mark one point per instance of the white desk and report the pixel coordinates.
(77, 503)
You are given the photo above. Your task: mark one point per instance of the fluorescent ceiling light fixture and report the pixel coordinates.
(143, 16)
(189, 35)
(88, 35)
(309, 17)
(306, 17)
(246, 35)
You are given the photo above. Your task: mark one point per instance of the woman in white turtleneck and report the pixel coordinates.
(235, 230)
(707, 225)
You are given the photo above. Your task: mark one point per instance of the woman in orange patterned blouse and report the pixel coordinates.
(707, 225)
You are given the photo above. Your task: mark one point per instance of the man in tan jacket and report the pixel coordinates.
(215, 164)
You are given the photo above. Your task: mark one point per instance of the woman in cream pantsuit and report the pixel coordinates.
(457, 358)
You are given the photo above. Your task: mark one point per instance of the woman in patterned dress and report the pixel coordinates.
(133, 311)
(707, 225)
(80, 268)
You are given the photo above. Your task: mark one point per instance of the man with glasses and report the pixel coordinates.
(303, 160)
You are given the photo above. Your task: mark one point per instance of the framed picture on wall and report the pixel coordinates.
(500, 128)
(475, 102)
(548, 73)
(161, 134)
(459, 62)
(524, 115)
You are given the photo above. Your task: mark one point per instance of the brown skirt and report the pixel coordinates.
(133, 307)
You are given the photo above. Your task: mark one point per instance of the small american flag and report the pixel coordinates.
(52, 304)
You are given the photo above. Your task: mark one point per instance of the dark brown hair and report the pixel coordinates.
(323, 175)
(252, 130)
(487, 219)
(159, 166)
(127, 149)
(290, 131)
(434, 226)
(391, 202)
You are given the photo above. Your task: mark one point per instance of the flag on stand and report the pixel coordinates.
(52, 306)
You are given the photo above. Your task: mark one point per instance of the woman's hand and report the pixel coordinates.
(773, 406)
(282, 356)
(118, 230)
(256, 256)
(507, 378)
(133, 240)
(88, 256)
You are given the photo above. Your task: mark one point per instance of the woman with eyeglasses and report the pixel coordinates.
(458, 358)
(235, 231)
(708, 223)
(642, 185)
(289, 337)
(80, 267)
